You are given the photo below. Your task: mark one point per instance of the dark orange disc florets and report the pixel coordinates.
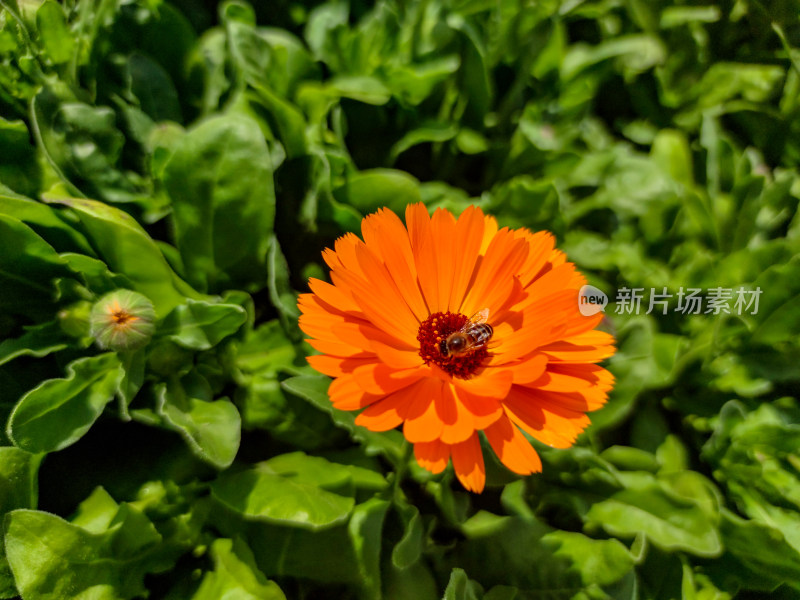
(433, 331)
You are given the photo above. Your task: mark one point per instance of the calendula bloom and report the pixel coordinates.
(403, 330)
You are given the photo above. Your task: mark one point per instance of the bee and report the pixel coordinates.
(473, 335)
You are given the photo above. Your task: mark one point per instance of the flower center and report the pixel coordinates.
(122, 318)
(452, 354)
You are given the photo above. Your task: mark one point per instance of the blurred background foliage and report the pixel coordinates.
(203, 154)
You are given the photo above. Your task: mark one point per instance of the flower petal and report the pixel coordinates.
(555, 426)
(490, 382)
(495, 277)
(422, 421)
(468, 463)
(468, 237)
(385, 232)
(457, 422)
(346, 394)
(432, 456)
(333, 296)
(391, 411)
(511, 447)
(589, 347)
(379, 378)
(335, 366)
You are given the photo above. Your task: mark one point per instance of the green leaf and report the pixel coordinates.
(778, 316)
(18, 489)
(763, 552)
(235, 575)
(370, 190)
(84, 147)
(290, 490)
(314, 389)
(267, 351)
(38, 341)
(55, 560)
(127, 249)
(428, 132)
(220, 181)
(460, 587)
(366, 533)
(201, 325)
(151, 85)
(28, 265)
(212, 429)
(601, 562)
(45, 221)
(408, 550)
(670, 521)
(58, 42)
(19, 169)
(57, 413)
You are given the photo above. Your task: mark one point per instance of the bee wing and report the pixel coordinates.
(480, 317)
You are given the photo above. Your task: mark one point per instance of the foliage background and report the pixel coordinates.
(204, 154)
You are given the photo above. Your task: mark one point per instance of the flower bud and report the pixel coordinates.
(122, 320)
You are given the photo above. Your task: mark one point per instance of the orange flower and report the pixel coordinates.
(385, 328)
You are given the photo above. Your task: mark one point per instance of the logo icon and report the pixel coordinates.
(591, 300)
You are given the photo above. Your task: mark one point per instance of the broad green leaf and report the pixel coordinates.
(95, 273)
(151, 85)
(314, 389)
(18, 470)
(201, 325)
(28, 265)
(778, 316)
(289, 419)
(54, 560)
(267, 351)
(328, 475)
(762, 550)
(285, 497)
(366, 534)
(460, 587)
(630, 459)
(58, 42)
(601, 562)
(19, 169)
(408, 550)
(235, 575)
(366, 89)
(669, 521)
(57, 413)
(414, 583)
(127, 249)
(220, 181)
(638, 53)
(38, 341)
(46, 221)
(84, 147)
(18, 489)
(427, 132)
(370, 190)
(211, 428)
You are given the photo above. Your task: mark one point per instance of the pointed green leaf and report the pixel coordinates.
(59, 412)
(235, 575)
(201, 325)
(212, 429)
